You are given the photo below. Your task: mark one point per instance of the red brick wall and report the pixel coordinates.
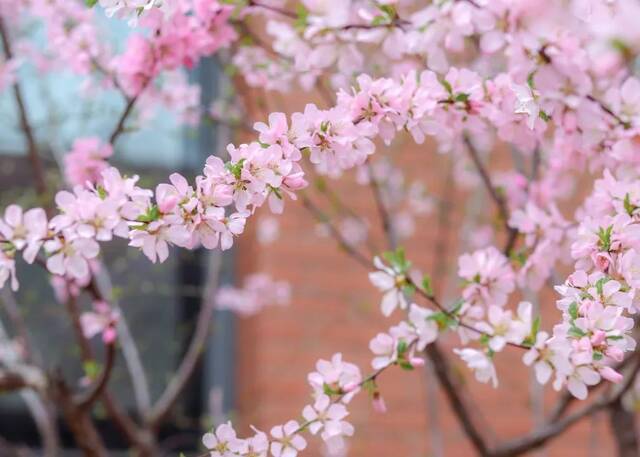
(335, 309)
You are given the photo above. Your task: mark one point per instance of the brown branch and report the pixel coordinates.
(161, 409)
(550, 430)
(120, 127)
(89, 398)
(321, 217)
(385, 218)
(85, 434)
(609, 111)
(624, 430)
(32, 147)
(457, 403)
(14, 380)
(125, 424)
(499, 200)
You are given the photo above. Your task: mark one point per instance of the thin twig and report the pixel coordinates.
(104, 289)
(127, 426)
(499, 200)
(120, 126)
(335, 233)
(385, 218)
(89, 398)
(163, 406)
(32, 147)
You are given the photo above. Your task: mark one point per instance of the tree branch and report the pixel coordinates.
(451, 390)
(89, 398)
(165, 403)
(119, 128)
(385, 218)
(32, 147)
(624, 429)
(321, 217)
(125, 424)
(102, 289)
(11, 380)
(499, 200)
(539, 437)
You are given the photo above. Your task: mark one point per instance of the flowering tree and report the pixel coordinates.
(551, 80)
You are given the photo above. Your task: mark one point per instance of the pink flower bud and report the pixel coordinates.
(416, 362)
(109, 335)
(598, 337)
(610, 374)
(601, 260)
(167, 205)
(378, 403)
(615, 353)
(295, 181)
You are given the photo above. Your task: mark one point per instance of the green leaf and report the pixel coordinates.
(599, 285)
(403, 347)
(409, 289)
(102, 193)
(535, 327)
(444, 320)
(405, 365)
(530, 82)
(605, 237)
(379, 20)
(302, 17)
(389, 10)
(462, 97)
(628, 207)
(328, 390)
(91, 369)
(426, 285)
(90, 3)
(397, 260)
(152, 214)
(576, 332)
(235, 168)
(447, 86)
(597, 355)
(544, 116)
(573, 310)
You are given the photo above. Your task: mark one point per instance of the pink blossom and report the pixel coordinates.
(287, 440)
(86, 161)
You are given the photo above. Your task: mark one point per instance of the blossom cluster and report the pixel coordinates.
(192, 30)
(334, 384)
